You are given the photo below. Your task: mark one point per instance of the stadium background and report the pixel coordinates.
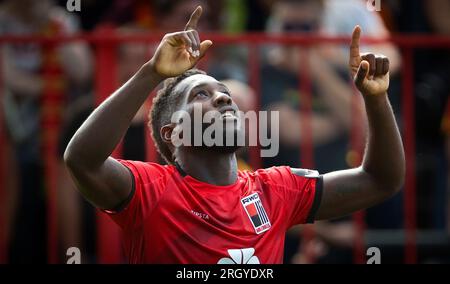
(285, 55)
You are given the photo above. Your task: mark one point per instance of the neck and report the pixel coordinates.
(208, 166)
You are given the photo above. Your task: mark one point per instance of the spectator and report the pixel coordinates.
(332, 116)
(339, 19)
(250, 15)
(77, 216)
(431, 90)
(26, 80)
(115, 12)
(171, 14)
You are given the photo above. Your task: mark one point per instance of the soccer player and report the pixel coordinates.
(199, 208)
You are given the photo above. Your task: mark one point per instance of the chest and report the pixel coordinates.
(244, 213)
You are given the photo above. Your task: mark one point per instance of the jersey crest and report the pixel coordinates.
(256, 213)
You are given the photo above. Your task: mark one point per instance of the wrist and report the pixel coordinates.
(370, 96)
(375, 100)
(150, 72)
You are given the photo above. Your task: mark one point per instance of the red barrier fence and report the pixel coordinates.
(106, 83)
(108, 241)
(3, 213)
(409, 138)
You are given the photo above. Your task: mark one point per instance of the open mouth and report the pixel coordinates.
(229, 114)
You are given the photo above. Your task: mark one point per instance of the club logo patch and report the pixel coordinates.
(255, 211)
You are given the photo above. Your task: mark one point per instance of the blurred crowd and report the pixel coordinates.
(67, 72)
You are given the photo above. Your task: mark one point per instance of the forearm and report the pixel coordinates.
(96, 139)
(384, 159)
(383, 169)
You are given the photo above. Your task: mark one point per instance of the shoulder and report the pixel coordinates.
(149, 166)
(268, 174)
(148, 171)
(281, 175)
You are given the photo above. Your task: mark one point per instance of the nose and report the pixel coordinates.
(221, 99)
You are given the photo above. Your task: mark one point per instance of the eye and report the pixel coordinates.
(201, 94)
(226, 93)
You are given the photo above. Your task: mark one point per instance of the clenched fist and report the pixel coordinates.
(180, 51)
(370, 72)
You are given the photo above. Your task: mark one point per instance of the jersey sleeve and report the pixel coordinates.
(148, 183)
(300, 191)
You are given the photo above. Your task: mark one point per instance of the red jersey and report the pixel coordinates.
(173, 218)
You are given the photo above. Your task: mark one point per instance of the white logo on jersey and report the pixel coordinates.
(240, 256)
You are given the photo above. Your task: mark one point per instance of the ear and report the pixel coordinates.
(166, 133)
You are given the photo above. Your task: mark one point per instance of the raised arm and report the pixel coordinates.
(383, 168)
(100, 178)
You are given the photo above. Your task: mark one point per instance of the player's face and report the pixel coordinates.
(210, 101)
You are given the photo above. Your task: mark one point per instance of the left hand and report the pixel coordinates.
(370, 72)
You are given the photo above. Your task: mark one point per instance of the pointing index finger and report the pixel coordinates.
(354, 47)
(192, 23)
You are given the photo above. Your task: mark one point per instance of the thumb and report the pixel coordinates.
(362, 73)
(204, 46)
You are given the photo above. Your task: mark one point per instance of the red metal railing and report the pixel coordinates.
(409, 138)
(51, 111)
(307, 143)
(106, 82)
(105, 43)
(3, 213)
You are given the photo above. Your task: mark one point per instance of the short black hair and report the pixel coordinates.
(164, 105)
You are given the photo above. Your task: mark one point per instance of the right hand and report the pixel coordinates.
(180, 51)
